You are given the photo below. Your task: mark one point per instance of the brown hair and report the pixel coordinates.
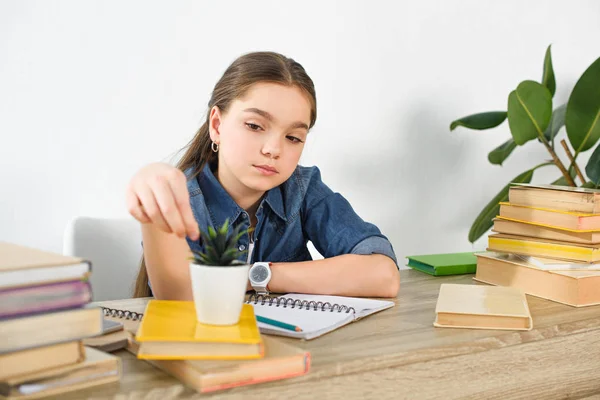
(244, 72)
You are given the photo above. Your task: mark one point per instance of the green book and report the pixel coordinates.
(444, 264)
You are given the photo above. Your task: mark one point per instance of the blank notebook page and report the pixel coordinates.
(313, 322)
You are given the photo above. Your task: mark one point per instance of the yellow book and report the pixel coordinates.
(546, 248)
(482, 307)
(169, 331)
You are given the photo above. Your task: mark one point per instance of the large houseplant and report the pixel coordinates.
(218, 278)
(531, 116)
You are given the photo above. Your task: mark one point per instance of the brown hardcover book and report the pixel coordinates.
(24, 266)
(574, 288)
(523, 229)
(554, 197)
(573, 221)
(34, 360)
(45, 329)
(482, 307)
(281, 361)
(96, 369)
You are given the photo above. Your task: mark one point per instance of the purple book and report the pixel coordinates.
(29, 300)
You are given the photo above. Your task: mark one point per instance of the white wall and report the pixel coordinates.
(92, 90)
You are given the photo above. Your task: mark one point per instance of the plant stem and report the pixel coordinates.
(573, 163)
(557, 161)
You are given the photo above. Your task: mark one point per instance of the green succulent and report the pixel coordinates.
(220, 249)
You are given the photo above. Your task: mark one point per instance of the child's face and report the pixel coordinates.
(262, 135)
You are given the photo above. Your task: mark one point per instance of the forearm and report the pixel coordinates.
(167, 265)
(373, 275)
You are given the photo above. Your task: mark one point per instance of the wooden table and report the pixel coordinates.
(398, 354)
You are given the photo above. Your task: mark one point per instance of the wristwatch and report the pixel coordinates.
(260, 275)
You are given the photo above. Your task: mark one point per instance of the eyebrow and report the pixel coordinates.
(268, 116)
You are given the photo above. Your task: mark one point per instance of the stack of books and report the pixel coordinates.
(546, 242)
(209, 358)
(43, 318)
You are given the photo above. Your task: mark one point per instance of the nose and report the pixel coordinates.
(272, 147)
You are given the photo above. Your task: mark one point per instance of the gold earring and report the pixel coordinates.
(214, 146)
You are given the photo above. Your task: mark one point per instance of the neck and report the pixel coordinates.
(244, 197)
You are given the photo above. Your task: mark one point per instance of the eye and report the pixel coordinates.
(294, 139)
(252, 126)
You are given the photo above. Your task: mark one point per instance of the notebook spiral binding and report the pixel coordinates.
(122, 314)
(300, 304)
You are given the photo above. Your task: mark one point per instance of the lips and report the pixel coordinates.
(267, 168)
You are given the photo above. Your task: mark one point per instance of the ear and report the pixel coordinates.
(214, 122)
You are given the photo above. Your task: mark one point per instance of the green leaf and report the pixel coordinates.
(592, 169)
(583, 110)
(590, 185)
(501, 153)
(484, 222)
(548, 75)
(557, 122)
(480, 121)
(529, 111)
(223, 230)
(212, 233)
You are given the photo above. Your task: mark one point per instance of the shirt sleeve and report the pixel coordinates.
(333, 226)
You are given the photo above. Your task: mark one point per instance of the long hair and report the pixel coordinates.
(244, 72)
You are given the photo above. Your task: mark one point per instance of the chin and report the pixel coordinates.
(262, 183)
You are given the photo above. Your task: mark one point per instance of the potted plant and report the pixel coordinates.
(530, 117)
(218, 278)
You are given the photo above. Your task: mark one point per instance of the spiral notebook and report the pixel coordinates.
(316, 315)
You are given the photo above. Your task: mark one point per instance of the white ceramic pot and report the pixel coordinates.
(218, 293)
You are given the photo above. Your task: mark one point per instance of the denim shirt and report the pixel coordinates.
(302, 208)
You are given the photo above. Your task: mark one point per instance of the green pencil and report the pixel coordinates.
(279, 324)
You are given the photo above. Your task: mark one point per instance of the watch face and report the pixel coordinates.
(259, 273)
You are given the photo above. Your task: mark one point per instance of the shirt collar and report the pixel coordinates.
(220, 204)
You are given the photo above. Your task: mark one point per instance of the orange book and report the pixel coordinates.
(482, 307)
(169, 331)
(574, 288)
(567, 220)
(281, 361)
(524, 229)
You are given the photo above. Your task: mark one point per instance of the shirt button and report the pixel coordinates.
(242, 247)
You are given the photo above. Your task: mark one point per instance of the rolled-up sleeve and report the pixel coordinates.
(330, 222)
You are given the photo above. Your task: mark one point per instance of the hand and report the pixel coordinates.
(157, 194)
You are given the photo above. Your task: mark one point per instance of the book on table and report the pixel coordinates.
(574, 288)
(444, 264)
(482, 307)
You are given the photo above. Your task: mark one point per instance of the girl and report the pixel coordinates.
(242, 165)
